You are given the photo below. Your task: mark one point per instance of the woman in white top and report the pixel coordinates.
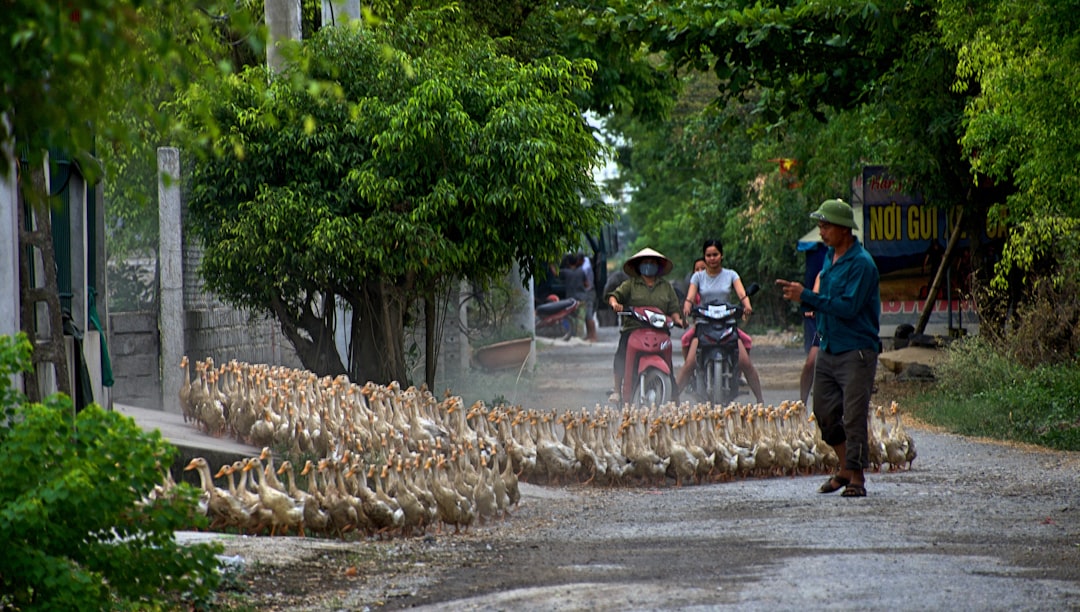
(715, 285)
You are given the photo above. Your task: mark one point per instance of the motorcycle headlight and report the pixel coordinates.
(718, 312)
(657, 319)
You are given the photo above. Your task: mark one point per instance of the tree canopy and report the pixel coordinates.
(964, 101)
(80, 69)
(389, 162)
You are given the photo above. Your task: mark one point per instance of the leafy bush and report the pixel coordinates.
(982, 392)
(1028, 310)
(972, 365)
(80, 529)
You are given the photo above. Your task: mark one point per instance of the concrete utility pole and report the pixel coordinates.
(171, 261)
(9, 240)
(283, 22)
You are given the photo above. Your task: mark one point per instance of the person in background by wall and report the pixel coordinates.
(848, 310)
(688, 334)
(573, 278)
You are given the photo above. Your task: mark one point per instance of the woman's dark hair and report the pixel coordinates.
(713, 242)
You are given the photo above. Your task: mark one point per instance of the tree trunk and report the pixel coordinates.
(317, 350)
(378, 337)
(432, 339)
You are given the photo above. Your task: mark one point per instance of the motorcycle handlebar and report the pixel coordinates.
(629, 312)
(737, 310)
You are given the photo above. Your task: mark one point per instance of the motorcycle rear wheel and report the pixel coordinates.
(653, 388)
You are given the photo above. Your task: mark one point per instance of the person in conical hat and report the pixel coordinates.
(847, 306)
(645, 287)
(644, 256)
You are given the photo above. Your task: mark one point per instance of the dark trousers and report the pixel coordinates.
(842, 386)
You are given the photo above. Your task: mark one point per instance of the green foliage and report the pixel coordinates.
(389, 161)
(981, 392)
(70, 64)
(944, 91)
(714, 172)
(222, 39)
(132, 287)
(14, 359)
(1040, 248)
(1032, 298)
(972, 365)
(1024, 58)
(74, 517)
(491, 311)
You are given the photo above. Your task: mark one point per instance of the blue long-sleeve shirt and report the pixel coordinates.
(848, 302)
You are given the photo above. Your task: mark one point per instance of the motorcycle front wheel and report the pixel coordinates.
(727, 378)
(653, 388)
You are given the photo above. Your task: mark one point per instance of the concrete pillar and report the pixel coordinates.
(283, 23)
(101, 281)
(336, 12)
(9, 240)
(524, 313)
(171, 282)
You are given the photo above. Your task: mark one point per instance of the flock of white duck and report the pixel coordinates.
(385, 460)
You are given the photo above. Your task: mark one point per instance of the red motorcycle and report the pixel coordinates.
(648, 379)
(553, 318)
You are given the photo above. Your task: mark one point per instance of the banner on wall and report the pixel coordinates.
(907, 238)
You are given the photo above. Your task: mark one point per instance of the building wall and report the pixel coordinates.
(213, 329)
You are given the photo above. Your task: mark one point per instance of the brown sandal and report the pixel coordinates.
(854, 490)
(834, 484)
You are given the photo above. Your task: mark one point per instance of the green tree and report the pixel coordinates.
(390, 162)
(894, 63)
(74, 63)
(711, 169)
(1018, 132)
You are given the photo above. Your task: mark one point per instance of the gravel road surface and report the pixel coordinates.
(973, 525)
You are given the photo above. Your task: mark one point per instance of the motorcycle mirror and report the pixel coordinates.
(752, 289)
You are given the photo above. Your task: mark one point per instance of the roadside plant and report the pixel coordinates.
(84, 520)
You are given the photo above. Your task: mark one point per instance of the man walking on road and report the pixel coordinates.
(848, 308)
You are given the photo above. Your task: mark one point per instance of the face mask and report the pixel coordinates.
(648, 268)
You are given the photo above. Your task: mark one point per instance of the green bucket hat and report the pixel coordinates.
(837, 212)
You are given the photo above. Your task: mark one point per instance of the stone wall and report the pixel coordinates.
(133, 349)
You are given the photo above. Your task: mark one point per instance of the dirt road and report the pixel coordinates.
(972, 526)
